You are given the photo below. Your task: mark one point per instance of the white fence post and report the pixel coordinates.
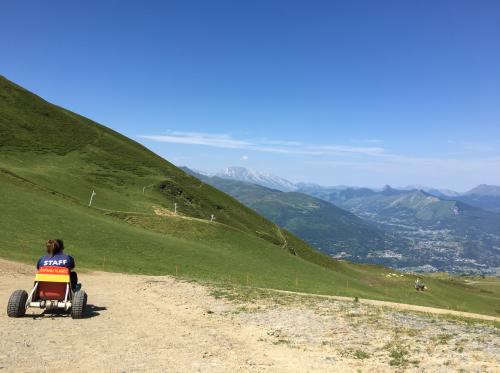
(92, 197)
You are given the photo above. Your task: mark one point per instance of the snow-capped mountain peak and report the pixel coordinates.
(256, 177)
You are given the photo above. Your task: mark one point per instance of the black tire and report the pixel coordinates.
(79, 304)
(17, 304)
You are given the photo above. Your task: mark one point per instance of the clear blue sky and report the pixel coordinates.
(334, 92)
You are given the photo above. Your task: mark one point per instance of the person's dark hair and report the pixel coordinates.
(61, 244)
(54, 247)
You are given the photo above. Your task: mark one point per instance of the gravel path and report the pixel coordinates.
(400, 306)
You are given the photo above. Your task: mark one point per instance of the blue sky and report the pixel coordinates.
(335, 92)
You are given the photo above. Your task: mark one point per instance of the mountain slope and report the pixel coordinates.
(57, 153)
(69, 154)
(331, 229)
(441, 193)
(483, 196)
(485, 190)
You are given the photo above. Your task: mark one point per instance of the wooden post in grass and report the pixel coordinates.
(175, 208)
(92, 197)
(147, 186)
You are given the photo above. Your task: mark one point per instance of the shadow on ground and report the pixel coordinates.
(93, 310)
(90, 311)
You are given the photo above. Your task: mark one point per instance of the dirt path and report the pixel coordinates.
(399, 306)
(139, 323)
(159, 324)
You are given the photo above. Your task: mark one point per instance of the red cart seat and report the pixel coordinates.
(52, 282)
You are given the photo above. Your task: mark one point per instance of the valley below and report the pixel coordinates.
(426, 233)
(426, 249)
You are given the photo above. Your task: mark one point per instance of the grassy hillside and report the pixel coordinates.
(51, 160)
(71, 155)
(321, 224)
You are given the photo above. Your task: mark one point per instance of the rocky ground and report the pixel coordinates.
(157, 324)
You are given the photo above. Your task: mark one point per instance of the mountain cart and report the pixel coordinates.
(52, 292)
(419, 285)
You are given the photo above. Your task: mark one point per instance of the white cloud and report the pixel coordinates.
(401, 163)
(371, 162)
(260, 145)
(281, 142)
(194, 138)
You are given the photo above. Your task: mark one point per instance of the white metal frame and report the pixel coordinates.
(66, 304)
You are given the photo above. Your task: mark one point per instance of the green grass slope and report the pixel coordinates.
(71, 155)
(51, 159)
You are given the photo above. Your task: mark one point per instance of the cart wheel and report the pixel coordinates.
(17, 304)
(78, 305)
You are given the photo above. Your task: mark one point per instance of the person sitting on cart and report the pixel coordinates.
(57, 258)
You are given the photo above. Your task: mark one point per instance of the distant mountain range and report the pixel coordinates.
(327, 227)
(483, 196)
(434, 191)
(413, 227)
(446, 233)
(485, 190)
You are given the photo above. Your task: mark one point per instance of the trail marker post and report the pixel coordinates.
(175, 208)
(92, 197)
(147, 186)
